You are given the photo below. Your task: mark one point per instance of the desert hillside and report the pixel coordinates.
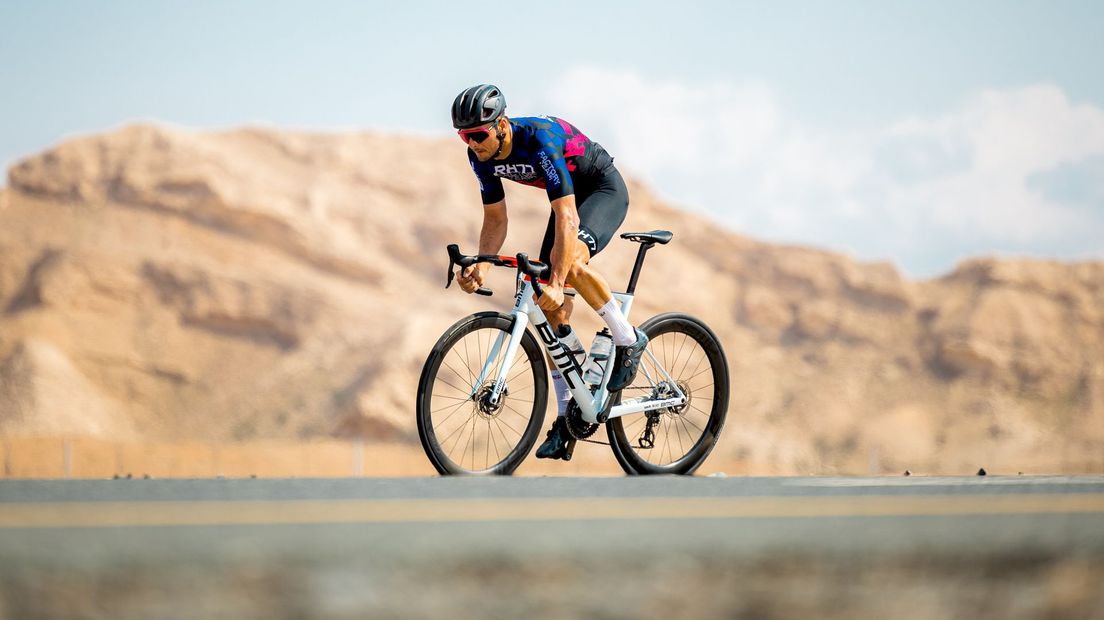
(161, 284)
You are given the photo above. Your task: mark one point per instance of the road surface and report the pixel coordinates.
(1000, 547)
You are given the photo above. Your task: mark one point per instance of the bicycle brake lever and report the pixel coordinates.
(484, 291)
(527, 269)
(453, 252)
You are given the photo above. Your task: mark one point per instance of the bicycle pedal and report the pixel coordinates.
(569, 450)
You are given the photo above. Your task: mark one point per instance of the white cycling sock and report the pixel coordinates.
(622, 332)
(563, 393)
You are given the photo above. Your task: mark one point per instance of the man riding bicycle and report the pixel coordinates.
(589, 202)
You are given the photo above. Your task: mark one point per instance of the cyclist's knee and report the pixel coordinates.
(579, 268)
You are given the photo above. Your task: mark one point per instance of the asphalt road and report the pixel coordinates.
(553, 547)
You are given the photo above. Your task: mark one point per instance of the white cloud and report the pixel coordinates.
(924, 192)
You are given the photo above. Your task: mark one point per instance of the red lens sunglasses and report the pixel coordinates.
(479, 134)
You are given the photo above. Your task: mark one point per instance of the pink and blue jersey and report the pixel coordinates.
(547, 152)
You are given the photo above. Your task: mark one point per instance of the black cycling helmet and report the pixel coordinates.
(477, 106)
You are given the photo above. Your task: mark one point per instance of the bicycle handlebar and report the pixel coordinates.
(531, 269)
(534, 269)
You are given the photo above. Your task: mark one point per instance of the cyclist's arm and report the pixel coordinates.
(491, 238)
(567, 229)
(493, 234)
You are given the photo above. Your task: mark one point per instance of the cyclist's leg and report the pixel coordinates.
(601, 212)
(600, 215)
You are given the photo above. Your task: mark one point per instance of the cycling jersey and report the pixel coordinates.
(547, 152)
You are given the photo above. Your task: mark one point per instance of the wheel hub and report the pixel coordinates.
(685, 389)
(486, 408)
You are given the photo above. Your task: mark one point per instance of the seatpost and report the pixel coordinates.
(644, 247)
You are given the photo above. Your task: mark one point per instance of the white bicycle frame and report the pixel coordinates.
(525, 311)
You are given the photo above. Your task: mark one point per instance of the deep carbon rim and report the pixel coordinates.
(465, 431)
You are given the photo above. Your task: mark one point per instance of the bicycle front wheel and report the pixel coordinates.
(684, 352)
(463, 430)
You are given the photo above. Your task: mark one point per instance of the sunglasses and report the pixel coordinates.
(479, 135)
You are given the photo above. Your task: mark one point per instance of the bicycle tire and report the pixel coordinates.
(438, 393)
(621, 430)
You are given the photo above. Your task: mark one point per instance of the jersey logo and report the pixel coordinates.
(523, 172)
(549, 172)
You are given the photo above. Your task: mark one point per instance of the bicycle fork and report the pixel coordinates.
(513, 341)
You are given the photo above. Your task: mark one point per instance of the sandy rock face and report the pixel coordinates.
(156, 282)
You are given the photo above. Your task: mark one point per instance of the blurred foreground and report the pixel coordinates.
(834, 548)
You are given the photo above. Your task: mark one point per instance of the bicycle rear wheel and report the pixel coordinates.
(462, 432)
(675, 440)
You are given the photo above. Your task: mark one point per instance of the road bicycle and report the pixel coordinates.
(483, 389)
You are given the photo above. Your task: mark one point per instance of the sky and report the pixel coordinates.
(921, 133)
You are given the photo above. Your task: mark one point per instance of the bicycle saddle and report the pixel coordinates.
(656, 236)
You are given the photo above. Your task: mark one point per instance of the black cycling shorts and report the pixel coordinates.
(602, 209)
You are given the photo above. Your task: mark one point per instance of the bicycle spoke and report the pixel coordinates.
(519, 373)
(667, 438)
(466, 361)
(499, 424)
(482, 358)
(700, 411)
(458, 438)
(458, 433)
(679, 437)
(453, 412)
(694, 372)
(507, 424)
(446, 364)
(444, 397)
(691, 353)
(690, 435)
(453, 386)
(515, 391)
(703, 370)
(470, 444)
(666, 445)
(686, 420)
(682, 372)
(683, 345)
(695, 438)
(454, 409)
(487, 451)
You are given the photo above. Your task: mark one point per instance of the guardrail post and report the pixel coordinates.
(67, 456)
(358, 458)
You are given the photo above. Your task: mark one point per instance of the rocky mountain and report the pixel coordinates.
(162, 283)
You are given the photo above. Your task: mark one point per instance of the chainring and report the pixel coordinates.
(576, 425)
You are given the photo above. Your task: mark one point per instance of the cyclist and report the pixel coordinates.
(589, 201)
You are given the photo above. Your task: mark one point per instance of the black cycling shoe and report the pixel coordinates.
(626, 361)
(560, 444)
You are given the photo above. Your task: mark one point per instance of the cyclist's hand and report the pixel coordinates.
(471, 277)
(551, 298)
